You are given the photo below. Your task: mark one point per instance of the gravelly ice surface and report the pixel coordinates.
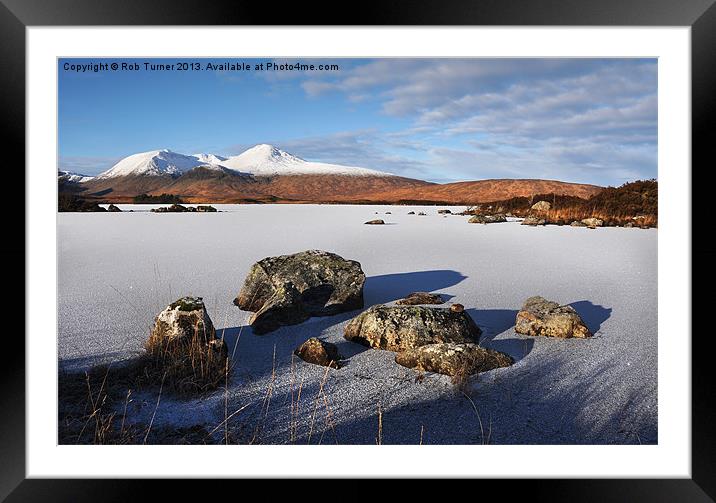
(118, 270)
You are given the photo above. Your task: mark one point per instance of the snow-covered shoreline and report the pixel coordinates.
(118, 270)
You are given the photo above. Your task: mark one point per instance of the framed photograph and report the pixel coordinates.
(443, 241)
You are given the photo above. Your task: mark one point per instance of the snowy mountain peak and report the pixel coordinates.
(68, 176)
(259, 160)
(209, 158)
(153, 163)
(268, 160)
(268, 153)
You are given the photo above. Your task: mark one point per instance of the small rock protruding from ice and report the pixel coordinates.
(419, 298)
(453, 359)
(319, 352)
(542, 317)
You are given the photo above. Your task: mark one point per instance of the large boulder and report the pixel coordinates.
(114, 209)
(289, 289)
(284, 307)
(533, 220)
(418, 298)
(541, 206)
(452, 359)
(183, 347)
(578, 223)
(487, 219)
(398, 328)
(319, 352)
(183, 320)
(540, 316)
(375, 222)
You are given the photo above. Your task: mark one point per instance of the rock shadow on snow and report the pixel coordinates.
(494, 322)
(593, 315)
(253, 354)
(521, 408)
(389, 287)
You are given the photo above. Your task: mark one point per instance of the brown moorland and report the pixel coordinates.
(634, 203)
(215, 186)
(482, 191)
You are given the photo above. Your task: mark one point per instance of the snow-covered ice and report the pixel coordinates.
(118, 270)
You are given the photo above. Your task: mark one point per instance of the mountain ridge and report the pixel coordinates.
(267, 173)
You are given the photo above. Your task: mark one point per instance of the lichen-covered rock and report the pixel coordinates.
(540, 316)
(319, 352)
(541, 206)
(578, 223)
(397, 328)
(452, 359)
(418, 298)
(288, 289)
(375, 222)
(183, 320)
(183, 348)
(487, 219)
(593, 222)
(284, 307)
(457, 308)
(533, 220)
(112, 208)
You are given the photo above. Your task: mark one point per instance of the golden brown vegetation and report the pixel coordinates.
(634, 203)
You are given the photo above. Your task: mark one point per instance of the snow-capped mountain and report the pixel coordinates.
(153, 163)
(210, 158)
(263, 173)
(260, 160)
(267, 160)
(68, 176)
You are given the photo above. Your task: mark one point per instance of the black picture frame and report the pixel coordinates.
(700, 15)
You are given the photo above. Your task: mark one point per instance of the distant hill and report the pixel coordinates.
(483, 191)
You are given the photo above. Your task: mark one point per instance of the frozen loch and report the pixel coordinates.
(116, 271)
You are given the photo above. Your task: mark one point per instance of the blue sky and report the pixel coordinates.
(578, 120)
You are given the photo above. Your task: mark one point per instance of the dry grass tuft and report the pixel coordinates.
(188, 367)
(93, 405)
(461, 378)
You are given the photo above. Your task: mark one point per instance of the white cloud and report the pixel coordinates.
(584, 120)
